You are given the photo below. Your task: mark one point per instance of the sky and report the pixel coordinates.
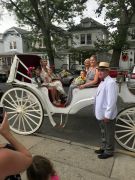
(8, 20)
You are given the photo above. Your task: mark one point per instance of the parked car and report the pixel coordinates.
(66, 81)
(66, 75)
(76, 68)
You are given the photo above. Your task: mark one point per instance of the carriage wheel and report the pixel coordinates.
(125, 128)
(25, 112)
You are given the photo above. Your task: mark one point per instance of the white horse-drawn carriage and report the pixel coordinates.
(28, 104)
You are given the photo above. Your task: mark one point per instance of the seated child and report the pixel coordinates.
(41, 168)
(76, 83)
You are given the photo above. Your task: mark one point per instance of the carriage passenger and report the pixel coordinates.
(92, 74)
(44, 67)
(76, 83)
(86, 64)
(54, 81)
(38, 79)
(91, 77)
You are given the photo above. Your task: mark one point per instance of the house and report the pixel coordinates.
(14, 41)
(84, 37)
(78, 43)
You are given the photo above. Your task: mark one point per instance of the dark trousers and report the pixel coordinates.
(107, 135)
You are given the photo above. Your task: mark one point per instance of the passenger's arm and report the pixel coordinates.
(90, 83)
(12, 162)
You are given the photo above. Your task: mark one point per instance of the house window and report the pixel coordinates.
(13, 45)
(133, 34)
(82, 39)
(85, 39)
(88, 38)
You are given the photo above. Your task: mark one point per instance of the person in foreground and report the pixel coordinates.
(106, 110)
(41, 169)
(12, 162)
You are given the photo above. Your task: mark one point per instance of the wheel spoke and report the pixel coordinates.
(22, 99)
(17, 97)
(127, 127)
(31, 119)
(32, 115)
(10, 103)
(122, 131)
(10, 108)
(30, 106)
(28, 122)
(12, 112)
(19, 123)
(34, 110)
(26, 101)
(126, 135)
(129, 139)
(12, 99)
(11, 116)
(23, 123)
(130, 119)
(15, 121)
(125, 121)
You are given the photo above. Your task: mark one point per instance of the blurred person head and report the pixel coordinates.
(38, 71)
(93, 61)
(83, 74)
(87, 63)
(40, 169)
(44, 62)
(103, 70)
(50, 71)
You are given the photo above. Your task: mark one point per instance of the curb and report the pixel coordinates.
(125, 152)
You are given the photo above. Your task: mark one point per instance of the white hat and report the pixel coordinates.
(104, 65)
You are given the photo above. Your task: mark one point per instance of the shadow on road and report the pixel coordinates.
(81, 128)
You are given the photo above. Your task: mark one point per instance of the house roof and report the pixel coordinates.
(19, 30)
(87, 24)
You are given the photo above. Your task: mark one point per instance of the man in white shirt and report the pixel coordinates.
(106, 110)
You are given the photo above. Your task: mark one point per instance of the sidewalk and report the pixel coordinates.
(75, 161)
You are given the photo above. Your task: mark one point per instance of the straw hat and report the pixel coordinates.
(104, 65)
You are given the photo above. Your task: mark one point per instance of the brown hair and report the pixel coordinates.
(40, 169)
(94, 56)
(83, 71)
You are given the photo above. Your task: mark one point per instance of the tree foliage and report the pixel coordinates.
(119, 14)
(42, 14)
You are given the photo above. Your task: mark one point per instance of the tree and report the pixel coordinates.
(120, 14)
(41, 15)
